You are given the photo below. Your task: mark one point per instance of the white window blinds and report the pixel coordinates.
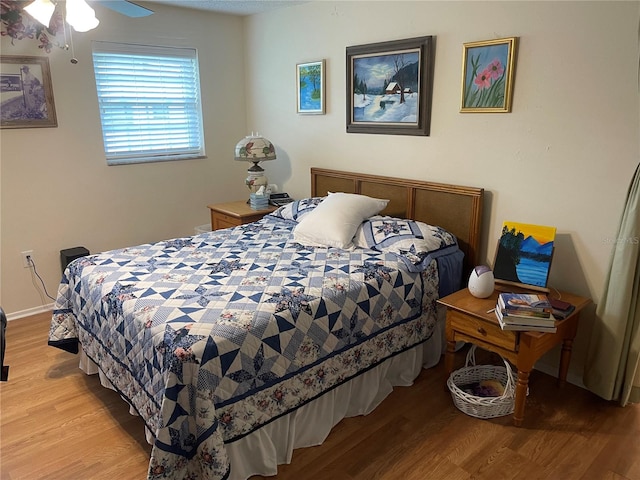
(149, 100)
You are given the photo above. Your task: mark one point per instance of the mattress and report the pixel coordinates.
(216, 338)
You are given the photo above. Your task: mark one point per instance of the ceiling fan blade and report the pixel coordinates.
(126, 7)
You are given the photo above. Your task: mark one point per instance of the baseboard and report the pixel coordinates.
(28, 312)
(572, 377)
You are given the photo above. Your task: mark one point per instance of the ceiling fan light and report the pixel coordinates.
(81, 16)
(41, 10)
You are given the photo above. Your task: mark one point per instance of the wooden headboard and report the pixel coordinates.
(455, 208)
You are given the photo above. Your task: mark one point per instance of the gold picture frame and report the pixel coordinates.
(488, 71)
(26, 93)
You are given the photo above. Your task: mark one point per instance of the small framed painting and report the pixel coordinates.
(26, 94)
(310, 90)
(389, 87)
(487, 76)
(523, 257)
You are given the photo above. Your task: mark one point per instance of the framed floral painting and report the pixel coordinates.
(488, 69)
(26, 94)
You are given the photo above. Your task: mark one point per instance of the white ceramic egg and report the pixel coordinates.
(481, 282)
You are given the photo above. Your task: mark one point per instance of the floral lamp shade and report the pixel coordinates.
(255, 149)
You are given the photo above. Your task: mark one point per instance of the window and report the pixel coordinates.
(149, 100)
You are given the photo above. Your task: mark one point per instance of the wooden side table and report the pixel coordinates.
(232, 214)
(471, 319)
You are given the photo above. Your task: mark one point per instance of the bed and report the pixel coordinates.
(239, 345)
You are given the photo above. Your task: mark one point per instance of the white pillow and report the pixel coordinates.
(334, 222)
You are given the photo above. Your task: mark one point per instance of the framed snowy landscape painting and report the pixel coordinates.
(389, 87)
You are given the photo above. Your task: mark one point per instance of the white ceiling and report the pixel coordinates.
(234, 7)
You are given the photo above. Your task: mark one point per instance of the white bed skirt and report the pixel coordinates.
(263, 450)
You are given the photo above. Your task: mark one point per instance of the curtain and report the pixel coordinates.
(612, 368)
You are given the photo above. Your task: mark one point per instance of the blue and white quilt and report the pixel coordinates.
(212, 336)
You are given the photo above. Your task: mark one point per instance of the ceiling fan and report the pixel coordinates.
(78, 12)
(125, 7)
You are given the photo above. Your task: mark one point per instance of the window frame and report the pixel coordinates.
(186, 111)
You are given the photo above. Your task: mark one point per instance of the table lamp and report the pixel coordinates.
(255, 149)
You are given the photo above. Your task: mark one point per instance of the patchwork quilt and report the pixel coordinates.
(212, 336)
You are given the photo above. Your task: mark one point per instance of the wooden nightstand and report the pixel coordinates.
(471, 319)
(232, 214)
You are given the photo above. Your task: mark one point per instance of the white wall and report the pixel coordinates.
(564, 156)
(57, 191)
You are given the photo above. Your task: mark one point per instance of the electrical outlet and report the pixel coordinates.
(25, 258)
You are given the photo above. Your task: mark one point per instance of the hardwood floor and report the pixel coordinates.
(57, 423)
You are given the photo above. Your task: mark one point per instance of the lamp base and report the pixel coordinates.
(255, 180)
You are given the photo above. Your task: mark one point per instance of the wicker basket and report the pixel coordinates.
(482, 407)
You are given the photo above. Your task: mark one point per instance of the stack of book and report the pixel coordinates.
(525, 311)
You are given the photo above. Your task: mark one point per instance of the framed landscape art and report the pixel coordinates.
(487, 75)
(310, 91)
(26, 94)
(389, 87)
(524, 254)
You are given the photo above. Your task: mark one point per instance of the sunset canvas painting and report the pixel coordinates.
(524, 254)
